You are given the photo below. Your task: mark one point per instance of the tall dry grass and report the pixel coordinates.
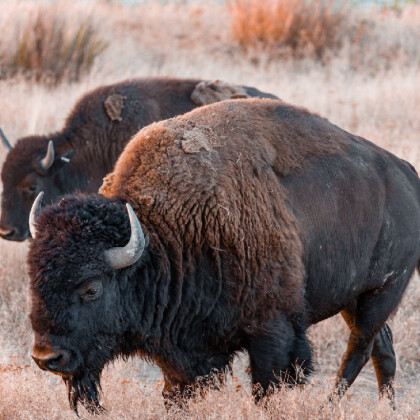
(371, 38)
(48, 47)
(301, 26)
(375, 97)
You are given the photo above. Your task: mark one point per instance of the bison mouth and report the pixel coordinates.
(85, 389)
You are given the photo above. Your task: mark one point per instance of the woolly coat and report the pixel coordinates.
(209, 182)
(262, 219)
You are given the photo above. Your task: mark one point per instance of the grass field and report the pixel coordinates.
(369, 85)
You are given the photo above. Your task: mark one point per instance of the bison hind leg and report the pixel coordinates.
(280, 355)
(369, 337)
(383, 355)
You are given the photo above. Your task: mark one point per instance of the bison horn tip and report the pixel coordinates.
(121, 257)
(48, 160)
(36, 208)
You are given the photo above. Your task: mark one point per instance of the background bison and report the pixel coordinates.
(257, 219)
(95, 133)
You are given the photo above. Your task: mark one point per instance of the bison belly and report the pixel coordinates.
(357, 214)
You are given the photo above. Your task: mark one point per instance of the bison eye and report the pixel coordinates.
(30, 190)
(90, 291)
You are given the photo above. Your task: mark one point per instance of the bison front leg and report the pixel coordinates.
(175, 394)
(281, 354)
(195, 376)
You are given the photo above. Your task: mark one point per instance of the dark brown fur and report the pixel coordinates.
(232, 166)
(94, 135)
(262, 219)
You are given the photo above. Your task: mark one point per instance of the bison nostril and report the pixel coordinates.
(56, 361)
(12, 234)
(6, 233)
(53, 362)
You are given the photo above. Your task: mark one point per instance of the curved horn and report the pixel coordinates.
(36, 208)
(48, 160)
(121, 257)
(5, 141)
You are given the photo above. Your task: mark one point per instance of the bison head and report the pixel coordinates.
(31, 166)
(80, 267)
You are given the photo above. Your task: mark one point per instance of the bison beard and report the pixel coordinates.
(85, 389)
(84, 385)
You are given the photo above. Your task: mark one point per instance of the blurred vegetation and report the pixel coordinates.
(299, 25)
(50, 43)
(51, 49)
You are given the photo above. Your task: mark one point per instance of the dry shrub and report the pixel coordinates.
(299, 25)
(49, 48)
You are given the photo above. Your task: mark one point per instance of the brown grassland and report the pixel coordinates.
(358, 67)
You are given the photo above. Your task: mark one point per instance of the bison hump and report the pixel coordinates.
(206, 93)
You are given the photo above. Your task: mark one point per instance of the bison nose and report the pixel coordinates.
(12, 234)
(6, 232)
(52, 360)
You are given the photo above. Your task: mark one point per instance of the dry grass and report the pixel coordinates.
(300, 25)
(131, 398)
(376, 97)
(48, 47)
(326, 28)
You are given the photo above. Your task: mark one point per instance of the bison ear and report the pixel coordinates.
(65, 157)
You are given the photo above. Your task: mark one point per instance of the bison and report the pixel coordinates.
(94, 135)
(250, 221)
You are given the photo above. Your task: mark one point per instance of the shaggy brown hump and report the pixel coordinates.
(212, 179)
(208, 92)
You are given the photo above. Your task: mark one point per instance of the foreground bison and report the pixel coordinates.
(94, 135)
(255, 220)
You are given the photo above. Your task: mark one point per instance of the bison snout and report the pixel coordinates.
(12, 234)
(52, 360)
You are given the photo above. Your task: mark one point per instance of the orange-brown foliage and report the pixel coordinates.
(301, 25)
